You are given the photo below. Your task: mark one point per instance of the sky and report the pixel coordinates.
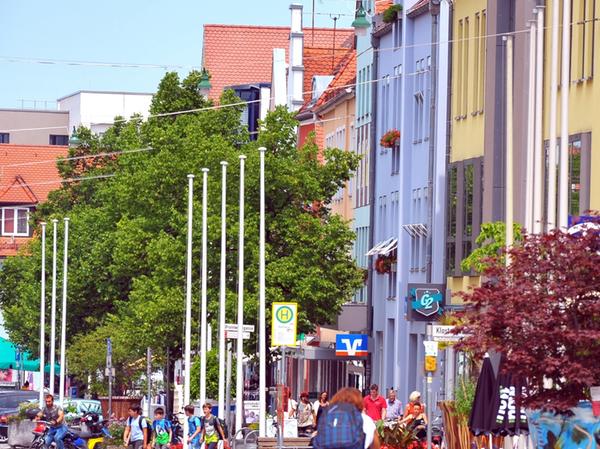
(158, 32)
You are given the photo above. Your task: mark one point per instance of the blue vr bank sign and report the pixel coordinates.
(351, 345)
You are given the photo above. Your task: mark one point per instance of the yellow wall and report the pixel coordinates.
(341, 115)
(468, 73)
(584, 95)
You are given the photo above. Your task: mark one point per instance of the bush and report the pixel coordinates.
(390, 15)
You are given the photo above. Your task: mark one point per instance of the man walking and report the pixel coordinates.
(55, 418)
(394, 406)
(375, 404)
(136, 432)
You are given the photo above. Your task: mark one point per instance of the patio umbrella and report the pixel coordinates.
(483, 413)
(509, 416)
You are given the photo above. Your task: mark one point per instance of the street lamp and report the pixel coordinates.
(74, 141)
(204, 84)
(361, 24)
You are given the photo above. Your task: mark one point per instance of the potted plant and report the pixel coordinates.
(389, 139)
(21, 425)
(383, 264)
(390, 15)
(394, 436)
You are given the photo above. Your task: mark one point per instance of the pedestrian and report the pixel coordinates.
(289, 405)
(375, 404)
(162, 431)
(344, 425)
(394, 406)
(212, 430)
(136, 430)
(413, 398)
(305, 415)
(416, 421)
(194, 427)
(55, 417)
(319, 405)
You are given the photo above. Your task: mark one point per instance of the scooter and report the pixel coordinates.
(97, 431)
(177, 440)
(71, 440)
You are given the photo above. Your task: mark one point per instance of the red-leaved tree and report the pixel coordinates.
(543, 314)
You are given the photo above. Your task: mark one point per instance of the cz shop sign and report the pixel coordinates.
(425, 301)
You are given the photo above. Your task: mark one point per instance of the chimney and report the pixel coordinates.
(278, 81)
(296, 67)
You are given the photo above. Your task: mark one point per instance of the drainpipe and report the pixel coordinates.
(434, 8)
(372, 164)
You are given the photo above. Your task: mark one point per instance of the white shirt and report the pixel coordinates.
(292, 407)
(369, 430)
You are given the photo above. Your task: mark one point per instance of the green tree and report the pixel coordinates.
(128, 231)
(491, 241)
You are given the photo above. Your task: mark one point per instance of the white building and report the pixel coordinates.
(97, 110)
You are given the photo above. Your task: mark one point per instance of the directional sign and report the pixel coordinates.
(232, 335)
(234, 328)
(284, 323)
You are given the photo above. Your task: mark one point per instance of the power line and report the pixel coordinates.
(61, 180)
(74, 158)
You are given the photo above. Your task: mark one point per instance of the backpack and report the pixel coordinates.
(340, 427)
(219, 424)
(140, 420)
(162, 434)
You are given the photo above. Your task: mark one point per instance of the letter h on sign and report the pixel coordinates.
(351, 345)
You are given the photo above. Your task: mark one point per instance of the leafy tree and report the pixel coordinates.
(543, 314)
(212, 375)
(490, 244)
(128, 231)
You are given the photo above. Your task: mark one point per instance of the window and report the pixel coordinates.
(4, 138)
(482, 46)
(398, 35)
(466, 68)
(396, 159)
(15, 221)
(56, 139)
(476, 56)
(464, 211)
(459, 70)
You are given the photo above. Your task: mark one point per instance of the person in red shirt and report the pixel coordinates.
(375, 404)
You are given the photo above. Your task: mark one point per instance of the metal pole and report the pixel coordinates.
(429, 392)
(262, 348)
(43, 317)
(239, 385)
(203, 330)
(228, 387)
(282, 406)
(53, 311)
(63, 333)
(110, 375)
(551, 215)
(529, 179)
(539, 143)
(188, 302)
(148, 377)
(563, 182)
(509, 144)
(222, 290)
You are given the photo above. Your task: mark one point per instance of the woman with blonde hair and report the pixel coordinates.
(413, 398)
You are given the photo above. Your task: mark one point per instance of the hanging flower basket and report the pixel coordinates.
(390, 138)
(383, 264)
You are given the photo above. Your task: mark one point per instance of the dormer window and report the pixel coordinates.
(15, 221)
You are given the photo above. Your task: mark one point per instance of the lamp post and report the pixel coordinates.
(360, 23)
(204, 84)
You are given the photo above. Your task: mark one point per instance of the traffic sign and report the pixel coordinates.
(284, 323)
(233, 335)
(444, 334)
(431, 348)
(234, 328)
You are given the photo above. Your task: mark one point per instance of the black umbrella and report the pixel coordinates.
(483, 413)
(509, 415)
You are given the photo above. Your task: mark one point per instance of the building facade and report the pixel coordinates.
(34, 127)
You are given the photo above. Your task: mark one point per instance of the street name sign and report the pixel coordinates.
(284, 323)
(444, 334)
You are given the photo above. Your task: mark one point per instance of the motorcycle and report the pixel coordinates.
(93, 430)
(71, 440)
(177, 428)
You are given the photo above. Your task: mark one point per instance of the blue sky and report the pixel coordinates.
(121, 31)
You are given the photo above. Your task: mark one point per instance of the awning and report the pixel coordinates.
(384, 248)
(10, 358)
(416, 229)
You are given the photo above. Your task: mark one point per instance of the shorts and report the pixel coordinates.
(212, 445)
(136, 444)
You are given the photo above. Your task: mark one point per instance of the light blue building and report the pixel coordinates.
(408, 213)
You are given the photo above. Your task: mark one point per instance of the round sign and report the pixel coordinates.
(284, 314)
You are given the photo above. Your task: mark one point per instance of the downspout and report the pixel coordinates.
(372, 164)
(434, 8)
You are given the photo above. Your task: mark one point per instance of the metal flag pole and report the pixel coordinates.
(43, 317)
(53, 311)
(188, 302)
(222, 290)
(63, 330)
(262, 348)
(203, 329)
(239, 385)
(563, 173)
(509, 145)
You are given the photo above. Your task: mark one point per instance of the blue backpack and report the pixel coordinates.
(340, 427)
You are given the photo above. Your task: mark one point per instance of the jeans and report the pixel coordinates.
(56, 434)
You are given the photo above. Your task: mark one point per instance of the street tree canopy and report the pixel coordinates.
(542, 313)
(128, 230)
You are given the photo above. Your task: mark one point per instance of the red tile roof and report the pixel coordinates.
(419, 7)
(242, 54)
(382, 5)
(322, 61)
(345, 77)
(28, 172)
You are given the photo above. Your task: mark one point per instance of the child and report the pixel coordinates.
(194, 426)
(211, 429)
(161, 430)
